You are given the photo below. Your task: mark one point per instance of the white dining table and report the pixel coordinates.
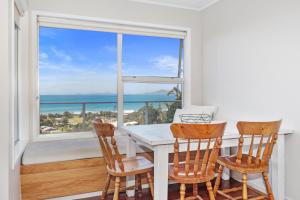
(159, 139)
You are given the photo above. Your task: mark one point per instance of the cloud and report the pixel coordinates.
(62, 67)
(113, 67)
(43, 56)
(58, 60)
(110, 48)
(165, 63)
(61, 54)
(80, 56)
(80, 83)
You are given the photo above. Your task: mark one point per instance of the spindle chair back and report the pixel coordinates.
(265, 135)
(266, 132)
(113, 158)
(117, 166)
(201, 168)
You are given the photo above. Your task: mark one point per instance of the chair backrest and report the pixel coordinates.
(209, 134)
(105, 131)
(265, 132)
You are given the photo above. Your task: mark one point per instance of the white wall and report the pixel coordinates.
(9, 171)
(251, 66)
(5, 122)
(136, 12)
(10, 165)
(24, 113)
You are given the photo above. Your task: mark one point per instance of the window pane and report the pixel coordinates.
(151, 56)
(77, 71)
(150, 103)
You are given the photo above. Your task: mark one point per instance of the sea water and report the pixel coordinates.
(73, 103)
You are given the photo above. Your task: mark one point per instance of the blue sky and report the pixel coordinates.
(84, 62)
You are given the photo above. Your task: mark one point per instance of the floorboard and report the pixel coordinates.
(174, 192)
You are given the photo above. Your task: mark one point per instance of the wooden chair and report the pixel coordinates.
(264, 132)
(201, 168)
(116, 165)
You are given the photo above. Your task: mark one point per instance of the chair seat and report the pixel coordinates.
(243, 167)
(190, 178)
(132, 166)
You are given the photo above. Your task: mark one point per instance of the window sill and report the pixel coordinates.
(66, 136)
(19, 150)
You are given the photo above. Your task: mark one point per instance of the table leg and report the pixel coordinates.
(130, 152)
(226, 172)
(277, 169)
(161, 162)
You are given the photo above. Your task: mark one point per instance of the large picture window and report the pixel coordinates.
(125, 79)
(78, 79)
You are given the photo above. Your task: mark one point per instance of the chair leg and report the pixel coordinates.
(244, 182)
(117, 188)
(150, 182)
(218, 180)
(268, 186)
(210, 190)
(103, 196)
(138, 185)
(182, 191)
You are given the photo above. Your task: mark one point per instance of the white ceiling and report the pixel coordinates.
(187, 4)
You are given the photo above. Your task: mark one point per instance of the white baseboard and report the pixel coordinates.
(257, 186)
(79, 196)
(288, 198)
(86, 195)
(254, 185)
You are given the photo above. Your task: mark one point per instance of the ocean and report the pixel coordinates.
(132, 102)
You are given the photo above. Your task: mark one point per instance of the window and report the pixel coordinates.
(158, 62)
(119, 74)
(78, 79)
(16, 77)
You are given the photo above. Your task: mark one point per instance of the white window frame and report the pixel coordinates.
(92, 24)
(18, 89)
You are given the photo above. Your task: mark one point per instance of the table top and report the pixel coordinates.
(160, 134)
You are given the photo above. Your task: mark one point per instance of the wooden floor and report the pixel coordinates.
(174, 192)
